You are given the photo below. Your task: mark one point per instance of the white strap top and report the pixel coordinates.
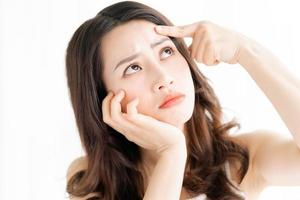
(227, 170)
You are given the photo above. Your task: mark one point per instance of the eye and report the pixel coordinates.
(169, 51)
(132, 66)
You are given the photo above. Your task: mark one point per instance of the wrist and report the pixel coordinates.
(242, 48)
(176, 150)
(248, 51)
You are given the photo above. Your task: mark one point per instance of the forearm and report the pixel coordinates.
(167, 177)
(280, 86)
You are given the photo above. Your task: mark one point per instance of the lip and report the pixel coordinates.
(172, 99)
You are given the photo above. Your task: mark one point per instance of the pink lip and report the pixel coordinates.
(172, 100)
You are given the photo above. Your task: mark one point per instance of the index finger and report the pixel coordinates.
(177, 31)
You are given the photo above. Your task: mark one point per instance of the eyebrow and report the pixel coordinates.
(129, 58)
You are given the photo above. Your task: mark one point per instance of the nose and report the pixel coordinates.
(164, 81)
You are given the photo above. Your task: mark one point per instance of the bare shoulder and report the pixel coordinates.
(276, 157)
(76, 165)
(269, 153)
(250, 184)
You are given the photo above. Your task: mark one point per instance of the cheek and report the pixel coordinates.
(132, 90)
(182, 72)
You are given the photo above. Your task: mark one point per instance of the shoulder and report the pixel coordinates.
(250, 183)
(261, 143)
(76, 165)
(276, 157)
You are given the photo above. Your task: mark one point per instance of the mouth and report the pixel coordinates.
(172, 100)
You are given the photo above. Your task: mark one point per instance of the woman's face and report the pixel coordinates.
(152, 69)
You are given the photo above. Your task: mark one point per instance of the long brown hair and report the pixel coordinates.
(112, 160)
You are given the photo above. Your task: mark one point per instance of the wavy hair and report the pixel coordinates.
(112, 160)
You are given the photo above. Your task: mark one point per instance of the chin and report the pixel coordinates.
(178, 117)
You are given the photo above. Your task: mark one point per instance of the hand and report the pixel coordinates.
(211, 43)
(143, 130)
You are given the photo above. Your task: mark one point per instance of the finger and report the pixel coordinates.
(177, 31)
(209, 54)
(141, 120)
(132, 107)
(116, 104)
(118, 120)
(106, 111)
(216, 61)
(116, 111)
(105, 107)
(198, 37)
(200, 50)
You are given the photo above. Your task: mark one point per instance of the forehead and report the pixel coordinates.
(127, 39)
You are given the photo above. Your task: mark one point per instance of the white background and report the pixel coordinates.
(38, 135)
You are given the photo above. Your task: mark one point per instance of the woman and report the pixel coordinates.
(149, 121)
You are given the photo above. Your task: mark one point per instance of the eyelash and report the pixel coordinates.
(133, 64)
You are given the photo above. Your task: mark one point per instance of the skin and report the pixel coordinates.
(213, 44)
(159, 71)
